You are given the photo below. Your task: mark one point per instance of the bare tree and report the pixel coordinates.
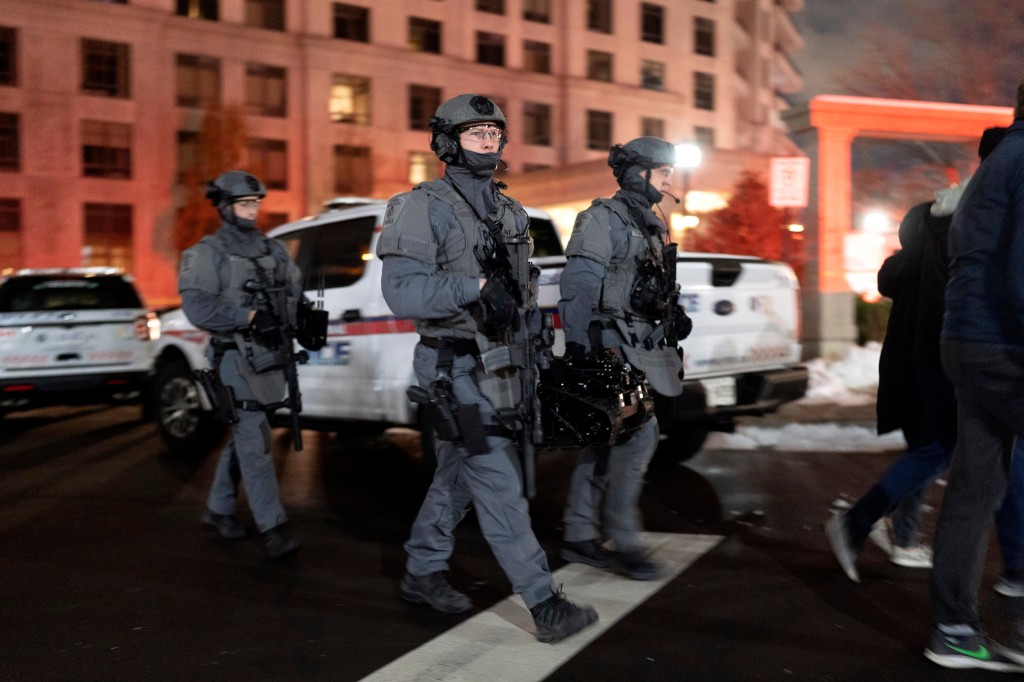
(220, 144)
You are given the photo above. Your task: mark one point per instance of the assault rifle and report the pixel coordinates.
(668, 328)
(273, 298)
(522, 350)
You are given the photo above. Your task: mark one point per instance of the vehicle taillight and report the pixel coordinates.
(147, 327)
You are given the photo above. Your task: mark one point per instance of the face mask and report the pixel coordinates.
(481, 163)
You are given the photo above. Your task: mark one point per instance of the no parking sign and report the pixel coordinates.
(790, 178)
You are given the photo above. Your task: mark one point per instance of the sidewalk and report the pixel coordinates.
(819, 411)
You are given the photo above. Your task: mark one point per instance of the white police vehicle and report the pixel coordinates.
(72, 336)
(742, 358)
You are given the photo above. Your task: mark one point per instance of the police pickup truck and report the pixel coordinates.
(741, 359)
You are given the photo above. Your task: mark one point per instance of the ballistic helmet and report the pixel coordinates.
(231, 186)
(643, 152)
(455, 114)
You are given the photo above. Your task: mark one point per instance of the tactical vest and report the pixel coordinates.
(408, 232)
(622, 275)
(235, 270)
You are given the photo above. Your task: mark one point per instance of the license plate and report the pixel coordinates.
(720, 391)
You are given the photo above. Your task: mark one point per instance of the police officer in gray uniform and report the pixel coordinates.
(216, 281)
(430, 243)
(614, 296)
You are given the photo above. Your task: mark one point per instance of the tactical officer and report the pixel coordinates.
(618, 292)
(219, 282)
(431, 244)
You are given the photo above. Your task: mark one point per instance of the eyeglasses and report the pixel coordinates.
(249, 203)
(484, 132)
(664, 171)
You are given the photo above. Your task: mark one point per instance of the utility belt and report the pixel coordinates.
(221, 396)
(461, 424)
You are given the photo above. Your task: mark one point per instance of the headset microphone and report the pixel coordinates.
(674, 197)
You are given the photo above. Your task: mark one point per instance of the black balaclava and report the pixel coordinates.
(227, 215)
(474, 180)
(636, 180)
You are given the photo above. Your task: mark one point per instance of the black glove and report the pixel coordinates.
(576, 352)
(683, 325)
(264, 328)
(498, 306)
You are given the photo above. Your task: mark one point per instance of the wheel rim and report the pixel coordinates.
(179, 407)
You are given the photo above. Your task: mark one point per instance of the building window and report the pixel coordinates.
(536, 123)
(704, 36)
(265, 90)
(198, 80)
(423, 102)
(490, 48)
(652, 127)
(704, 137)
(492, 6)
(106, 149)
(10, 142)
(599, 130)
(188, 156)
(268, 160)
(10, 234)
(599, 15)
(423, 167)
(198, 9)
(104, 68)
(353, 172)
(536, 56)
(108, 236)
(652, 75)
(652, 23)
(704, 91)
(8, 56)
(425, 35)
(599, 66)
(537, 10)
(350, 99)
(267, 14)
(351, 22)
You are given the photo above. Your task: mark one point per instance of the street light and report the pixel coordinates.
(688, 157)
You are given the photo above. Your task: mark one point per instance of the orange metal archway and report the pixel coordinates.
(825, 129)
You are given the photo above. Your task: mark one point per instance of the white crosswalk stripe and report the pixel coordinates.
(499, 644)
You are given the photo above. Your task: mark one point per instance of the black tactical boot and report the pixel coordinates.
(557, 618)
(280, 542)
(434, 591)
(226, 525)
(634, 565)
(589, 552)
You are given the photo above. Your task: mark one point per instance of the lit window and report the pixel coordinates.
(10, 234)
(350, 99)
(198, 9)
(108, 236)
(423, 167)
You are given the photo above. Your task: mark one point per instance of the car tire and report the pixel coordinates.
(183, 424)
(680, 444)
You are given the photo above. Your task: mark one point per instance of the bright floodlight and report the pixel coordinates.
(876, 222)
(688, 155)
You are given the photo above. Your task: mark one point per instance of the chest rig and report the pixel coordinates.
(641, 260)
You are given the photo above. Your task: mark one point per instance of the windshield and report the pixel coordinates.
(70, 292)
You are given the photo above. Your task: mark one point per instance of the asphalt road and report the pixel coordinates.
(105, 573)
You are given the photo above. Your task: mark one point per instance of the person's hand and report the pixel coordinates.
(498, 306)
(682, 324)
(264, 328)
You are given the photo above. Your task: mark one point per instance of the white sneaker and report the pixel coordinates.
(912, 557)
(881, 535)
(1009, 588)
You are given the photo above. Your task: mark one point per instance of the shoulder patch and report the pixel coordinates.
(406, 228)
(590, 237)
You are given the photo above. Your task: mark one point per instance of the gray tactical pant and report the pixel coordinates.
(613, 493)
(246, 457)
(491, 483)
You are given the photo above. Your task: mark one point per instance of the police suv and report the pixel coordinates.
(741, 359)
(68, 336)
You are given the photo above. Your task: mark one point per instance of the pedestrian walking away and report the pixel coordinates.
(436, 246)
(618, 293)
(222, 281)
(983, 354)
